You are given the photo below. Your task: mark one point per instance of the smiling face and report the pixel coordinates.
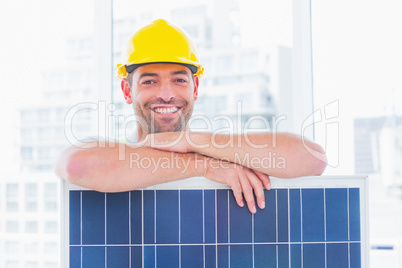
(163, 97)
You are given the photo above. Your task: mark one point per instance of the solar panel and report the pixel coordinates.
(307, 222)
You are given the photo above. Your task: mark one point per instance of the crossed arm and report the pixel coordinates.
(171, 156)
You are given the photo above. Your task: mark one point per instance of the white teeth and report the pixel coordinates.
(166, 110)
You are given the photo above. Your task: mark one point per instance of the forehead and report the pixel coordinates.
(161, 69)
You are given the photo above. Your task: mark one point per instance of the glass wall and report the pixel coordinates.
(244, 46)
(357, 77)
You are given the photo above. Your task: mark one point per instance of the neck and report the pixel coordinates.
(142, 136)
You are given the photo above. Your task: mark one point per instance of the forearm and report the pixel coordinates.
(277, 154)
(121, 168)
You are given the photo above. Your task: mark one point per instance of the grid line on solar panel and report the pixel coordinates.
(234, 230)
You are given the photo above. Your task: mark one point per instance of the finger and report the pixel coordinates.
(237, 192)
(257, 186)
(266, 181)
(247, 191)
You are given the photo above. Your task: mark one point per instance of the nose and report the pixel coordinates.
(166, 92)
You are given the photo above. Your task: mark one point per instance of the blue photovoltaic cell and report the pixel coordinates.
(283, 231)
(210, 256)
(337, 214)
(240, 223)
(313, 215)
(354, 214)
(117, 221)
(93, 257)
(295, 215)
(355, 251)
(222, 216)
(118, 257)
(192, 256)
(283, 256)
(149, 217)
(191, 217)
(75, 257)
(93, 218)
(149, 256)
(75, 217)
(295, 253)
(264, 255)
(172, 228)
(167, 217)
(223, 256)
(136, 256)
(167, 255)
(337, 255)
(314, 255)
(241, 256)
(136, 217)
(265, 220)
(209, 216)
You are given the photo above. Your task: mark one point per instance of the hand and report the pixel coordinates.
(242, 181)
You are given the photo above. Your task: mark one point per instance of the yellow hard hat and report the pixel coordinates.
(159, 42)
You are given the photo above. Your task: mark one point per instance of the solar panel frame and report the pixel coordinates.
(325, 182)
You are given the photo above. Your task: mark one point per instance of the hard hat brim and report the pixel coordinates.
(130, 68)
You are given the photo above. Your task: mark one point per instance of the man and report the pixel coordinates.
(160, 78)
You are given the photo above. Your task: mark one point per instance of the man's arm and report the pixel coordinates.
(116, 167)
(281, 155)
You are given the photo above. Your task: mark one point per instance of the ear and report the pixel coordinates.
(196, 84)
(126, 91)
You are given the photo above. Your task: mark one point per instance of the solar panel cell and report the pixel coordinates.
(337, 255)
(93, 218)
(167, 217)
(136, 217)
(117, 218)
(295, 215)
(314, 255)
(191, 217)
(265, 220)
(118, 257)
(336, 214)
(313, 215)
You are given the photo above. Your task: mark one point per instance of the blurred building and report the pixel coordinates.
(240, 84)
(378, 148)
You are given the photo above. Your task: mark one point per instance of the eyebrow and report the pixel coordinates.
(180, 72)
(147, 74)
(155, 74)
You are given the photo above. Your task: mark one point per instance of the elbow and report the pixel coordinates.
(72, 167)
(319, 160)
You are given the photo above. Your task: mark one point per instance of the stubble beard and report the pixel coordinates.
(150, 124)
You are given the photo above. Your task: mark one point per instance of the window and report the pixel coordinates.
(31, 248)
(12, 191)
(50, 227)
(50, 248)
(11, 206)
(51, 265)
(31, 264)
(225, 64)
(26, 153)
(12, 264)
(31, 190)
(31, 206)
(249, 61)
(12, 226)
(50, 205)
(31, 227)
(11, 247)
